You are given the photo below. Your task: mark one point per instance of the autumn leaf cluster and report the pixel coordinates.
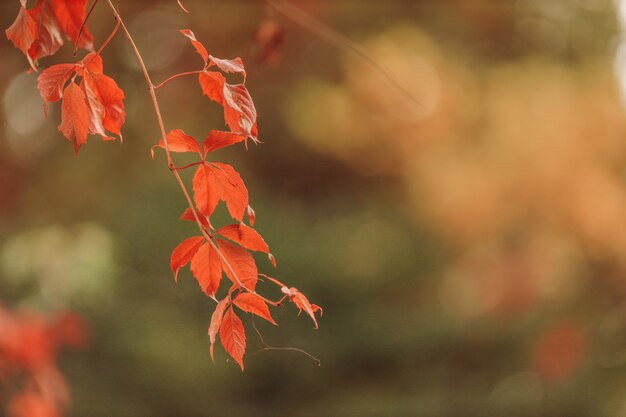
(92, 103)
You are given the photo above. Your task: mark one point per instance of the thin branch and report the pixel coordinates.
(111, 36)
(157, 110)
(181, 74)
(170, 162)
(82, 26)
(335, 38)
(268, 348)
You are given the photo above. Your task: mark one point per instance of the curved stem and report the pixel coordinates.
(181, 74)
(186, 166)
(82, 26)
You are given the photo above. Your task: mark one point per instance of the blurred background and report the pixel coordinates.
(469, 252)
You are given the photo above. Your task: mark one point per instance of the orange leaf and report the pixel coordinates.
(245, 236)
(217, 139)
(216, 181)
(252, 303)
(302, 302)
(206, 267)
(239, 111)
(70, 14)
(51, 82)
(74, 116)
(233, 336)
(23, 32)
(238, 264)
(216, 321)
(111, 97)
(183, 253)
(49, 37)
(196, 44)
(178, 141)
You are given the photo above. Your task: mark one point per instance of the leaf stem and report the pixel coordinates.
(186, 166)
(181, 74)
(157, 110)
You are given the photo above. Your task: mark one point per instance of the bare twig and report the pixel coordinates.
(335, 38)
(268, 348)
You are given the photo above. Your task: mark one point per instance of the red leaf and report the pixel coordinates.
(212, 84)
(51, 82)
(302, 302)
(70, 14)
(216, 181)
(245, 236)
(216, 321)
(188, 215)
(206, 267)
(178, 141)
(253, 303)
(233, 337)
(38, 32)
(96, 110)
(49, 38)
(74, 116)
(237, 260)
(217, 139)
(229, 65)
(196, 44)
(111, 97)
(91, 63)
(23, 32)
(183, 253)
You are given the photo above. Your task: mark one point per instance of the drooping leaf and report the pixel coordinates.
(38, 32)
(245, 236)
(215, 181)
(49, 37)
(217, 139)
(216, 321)
(233, 337)
(253, 303)
(183, 253)
(74, 116)
(23, 32)
(302, 303)
(238, 264)
(196, 44)
(51, 82)
(111, 97)
(239, 112)
(70, 15)
(178, 141)
(104, 97)
(206, 267)
(234, 66)
(96, 111)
